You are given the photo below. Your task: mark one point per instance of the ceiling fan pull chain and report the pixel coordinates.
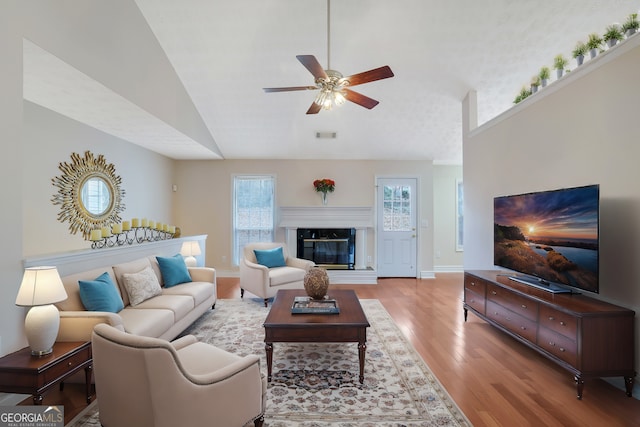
(328, 34)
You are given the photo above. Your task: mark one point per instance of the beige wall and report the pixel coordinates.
(446, 257)
(203, 199)
(583, 131)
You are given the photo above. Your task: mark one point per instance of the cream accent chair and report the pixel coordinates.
(150, 382)
(264, 282)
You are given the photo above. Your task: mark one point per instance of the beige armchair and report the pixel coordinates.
(264, 282)
(142, 381)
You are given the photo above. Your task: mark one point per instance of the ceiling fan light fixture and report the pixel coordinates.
(333, 88)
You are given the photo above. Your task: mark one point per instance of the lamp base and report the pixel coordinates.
(41, 327)
(41, 353)
(191, 261)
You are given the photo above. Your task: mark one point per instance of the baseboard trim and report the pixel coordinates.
(448, 269)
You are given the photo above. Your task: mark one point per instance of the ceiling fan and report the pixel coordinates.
(332, 85)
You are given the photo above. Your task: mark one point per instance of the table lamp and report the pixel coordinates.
(189, 250)
(41, 287)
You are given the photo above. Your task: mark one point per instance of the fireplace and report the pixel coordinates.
(360, 218)
(331, 248)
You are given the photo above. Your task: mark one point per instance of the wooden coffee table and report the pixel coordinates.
(348, 326)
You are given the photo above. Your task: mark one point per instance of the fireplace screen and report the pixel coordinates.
(332, 248)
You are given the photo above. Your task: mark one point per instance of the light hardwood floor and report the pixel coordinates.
(495, 380)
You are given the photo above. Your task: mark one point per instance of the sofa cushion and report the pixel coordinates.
(180, 305)
(148, 322)
(174, 270)
(282, 275)
(141, 286)
(270, 257)
(100, 294)
(71, 285)
(134, 267)
(198, 291)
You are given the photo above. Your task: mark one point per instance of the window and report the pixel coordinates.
(253, 212)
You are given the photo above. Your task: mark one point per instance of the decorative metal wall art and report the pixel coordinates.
(89, 193)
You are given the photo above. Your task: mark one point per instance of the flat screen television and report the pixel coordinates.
(550, 237)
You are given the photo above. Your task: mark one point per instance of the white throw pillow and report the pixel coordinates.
(141, 286)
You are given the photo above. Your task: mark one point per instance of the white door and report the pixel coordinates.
(396, 227)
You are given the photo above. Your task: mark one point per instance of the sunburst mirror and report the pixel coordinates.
(89, 193)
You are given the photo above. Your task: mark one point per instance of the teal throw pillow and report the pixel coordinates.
(100, 294)
(174, 270)
(270, 257)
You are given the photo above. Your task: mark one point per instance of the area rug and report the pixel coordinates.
(316, 385)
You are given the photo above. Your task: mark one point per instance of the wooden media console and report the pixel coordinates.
(588, 337)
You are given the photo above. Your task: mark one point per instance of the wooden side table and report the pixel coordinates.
(20, 372)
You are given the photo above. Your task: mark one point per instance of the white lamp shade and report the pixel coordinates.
(40, 286)
(191, 248)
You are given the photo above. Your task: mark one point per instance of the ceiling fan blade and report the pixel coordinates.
(311, 63)
(288, 89)
(370, 76)
(360, 99)
(314, 109)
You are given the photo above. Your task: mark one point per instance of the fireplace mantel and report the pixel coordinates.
(326, 217)
(359, 217)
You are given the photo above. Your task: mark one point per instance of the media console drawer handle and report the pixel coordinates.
(562, 349)
(524, 328)
(562, 323)
(551, 318)
(523, 306)
(494, 292)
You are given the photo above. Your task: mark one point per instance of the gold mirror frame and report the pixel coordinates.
(70, 184)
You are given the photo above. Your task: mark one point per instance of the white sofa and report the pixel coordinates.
(163, 316)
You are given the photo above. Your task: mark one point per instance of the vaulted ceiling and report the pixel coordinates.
(224, 52)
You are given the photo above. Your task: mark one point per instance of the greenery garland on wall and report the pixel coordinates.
(613, 33)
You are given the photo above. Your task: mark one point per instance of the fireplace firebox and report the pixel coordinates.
(331, 248)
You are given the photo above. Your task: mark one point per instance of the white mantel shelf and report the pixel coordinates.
(359, 217)
(326, 216)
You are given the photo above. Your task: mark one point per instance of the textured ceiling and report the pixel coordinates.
(225, 52)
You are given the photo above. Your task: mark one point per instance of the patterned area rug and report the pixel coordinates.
(316, 385)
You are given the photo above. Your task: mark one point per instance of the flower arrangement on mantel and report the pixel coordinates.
(324, 185)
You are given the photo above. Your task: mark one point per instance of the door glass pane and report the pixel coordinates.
(397, 208)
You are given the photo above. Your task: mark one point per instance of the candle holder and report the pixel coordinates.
(131, 236)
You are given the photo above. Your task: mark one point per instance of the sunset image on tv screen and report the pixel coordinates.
(552, 235)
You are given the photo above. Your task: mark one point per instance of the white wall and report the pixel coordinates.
(445, 178)
(49, 139)
(584, 130)
(38, 140)
(111, 42)
(203, 199)
(11, 317)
